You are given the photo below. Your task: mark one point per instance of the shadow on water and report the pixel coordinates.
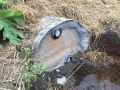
(105, 75)
(89, 77)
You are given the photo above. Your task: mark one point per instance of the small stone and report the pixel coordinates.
(57, 70)
(61, 81)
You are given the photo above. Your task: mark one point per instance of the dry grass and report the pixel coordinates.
(93, 15)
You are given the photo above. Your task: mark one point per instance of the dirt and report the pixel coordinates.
(94, 15)
(92, 70)
(82, 74)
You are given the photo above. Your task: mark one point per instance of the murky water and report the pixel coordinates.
(101, 70)
(103, 76)
(89, 77)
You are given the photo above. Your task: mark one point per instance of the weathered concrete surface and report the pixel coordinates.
(53, 52)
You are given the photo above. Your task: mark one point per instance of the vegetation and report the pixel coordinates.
(9, 21)
(17, 70)
(31, 69)
(4, 1)
(31, 73)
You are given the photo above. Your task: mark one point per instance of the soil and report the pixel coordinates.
(82, 74)
(98, 68)
(92, 70)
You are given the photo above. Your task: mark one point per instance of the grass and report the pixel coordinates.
(92, 15)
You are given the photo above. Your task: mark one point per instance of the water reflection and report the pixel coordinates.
(89, 77)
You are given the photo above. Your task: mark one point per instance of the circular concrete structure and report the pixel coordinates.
(57, 39)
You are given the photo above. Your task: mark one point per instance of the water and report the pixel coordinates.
(89, 77)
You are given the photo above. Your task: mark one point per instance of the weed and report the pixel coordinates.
(27, 51)
(4, 1)
(31, 69)
(31, 73)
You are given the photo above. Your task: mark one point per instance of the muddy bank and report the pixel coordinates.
(93, 14)
(96, 69)
(81, 74)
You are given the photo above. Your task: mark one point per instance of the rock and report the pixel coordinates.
(61, 81)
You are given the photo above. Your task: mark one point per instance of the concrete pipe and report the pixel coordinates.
(58, 38)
